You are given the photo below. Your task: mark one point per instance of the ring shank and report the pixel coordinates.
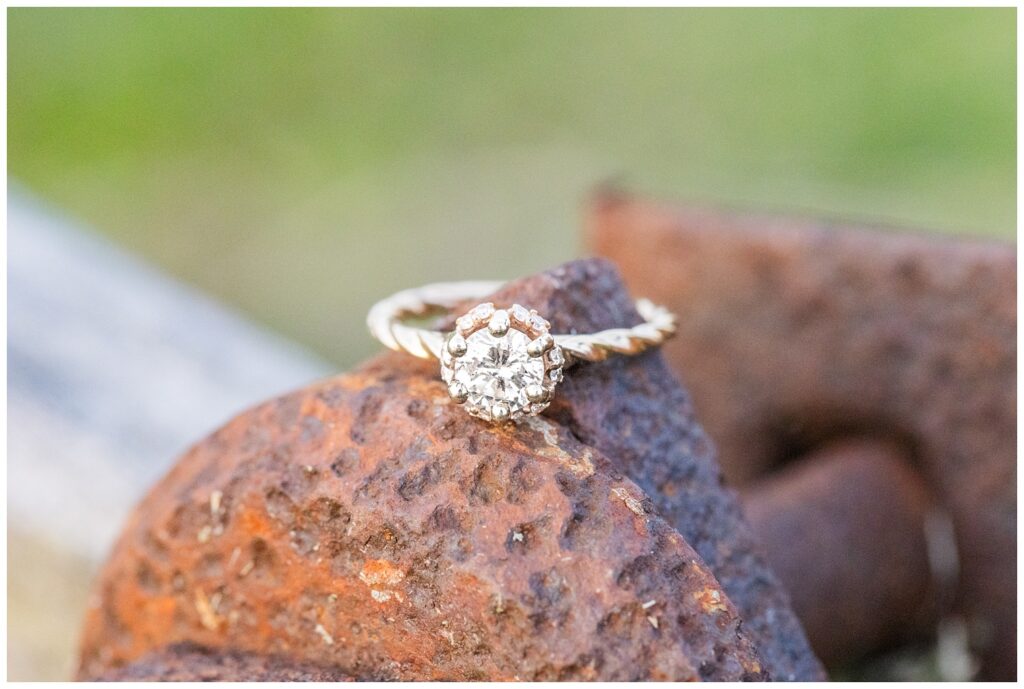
(385, 323)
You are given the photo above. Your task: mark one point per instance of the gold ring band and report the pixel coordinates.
(503, 364)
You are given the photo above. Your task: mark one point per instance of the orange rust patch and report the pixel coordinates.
(254, 522)
(710, 600)
(381, 572)
(382, 576)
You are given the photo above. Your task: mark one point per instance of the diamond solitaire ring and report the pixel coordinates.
(503, 363)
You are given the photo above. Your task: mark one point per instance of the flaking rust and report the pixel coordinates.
(368, 525)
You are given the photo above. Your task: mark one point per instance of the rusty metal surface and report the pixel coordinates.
(636, 413)
(190, 663)
(794, 332)
(864, 495)
(367, 524)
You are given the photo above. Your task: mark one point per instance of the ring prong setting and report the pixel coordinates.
(457, 345)
(458, 392)
(540, 345)
(537, 393)
(499, 323)
(502, 366)
(500, 412)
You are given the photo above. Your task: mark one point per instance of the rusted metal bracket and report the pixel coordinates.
(796, 333)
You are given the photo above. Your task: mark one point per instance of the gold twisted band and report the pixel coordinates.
(386, 316)
(503, 363)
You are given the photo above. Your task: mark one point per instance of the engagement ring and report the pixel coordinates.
(503, 363)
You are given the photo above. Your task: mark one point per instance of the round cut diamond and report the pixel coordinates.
(488, 368)
(498, 370)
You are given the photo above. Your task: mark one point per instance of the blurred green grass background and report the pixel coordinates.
(300, 163)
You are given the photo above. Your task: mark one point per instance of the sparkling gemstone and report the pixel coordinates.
(520, 313)
(555, 357)
(481, 312)
(498, 369)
